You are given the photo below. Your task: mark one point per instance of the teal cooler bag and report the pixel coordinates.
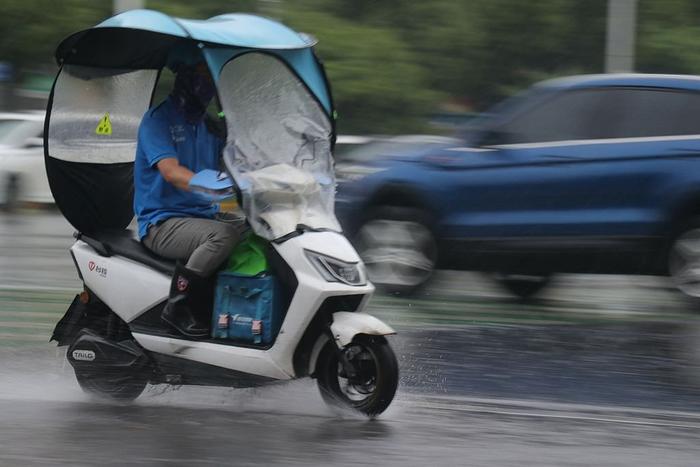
(246, 308)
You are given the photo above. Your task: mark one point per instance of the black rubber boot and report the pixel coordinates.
(186, 291)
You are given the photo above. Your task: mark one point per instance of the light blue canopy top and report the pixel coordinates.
(139, 39)
(237, 30)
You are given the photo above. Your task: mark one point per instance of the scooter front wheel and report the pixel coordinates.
(371, 388)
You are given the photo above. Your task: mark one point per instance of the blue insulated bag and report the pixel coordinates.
(246, 308)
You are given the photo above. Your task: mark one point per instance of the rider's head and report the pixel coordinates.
(194, 86)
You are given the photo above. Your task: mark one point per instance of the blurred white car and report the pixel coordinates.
(22, 172)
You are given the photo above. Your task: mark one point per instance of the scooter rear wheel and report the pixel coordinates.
(377, 375)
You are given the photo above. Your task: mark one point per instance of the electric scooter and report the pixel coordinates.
(280, 131)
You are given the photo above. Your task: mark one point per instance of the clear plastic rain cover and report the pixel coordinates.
(278, 147)
(96, 113)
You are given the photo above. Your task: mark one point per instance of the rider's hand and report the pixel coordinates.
(211, 185)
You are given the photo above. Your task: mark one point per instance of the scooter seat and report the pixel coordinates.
(125, 243)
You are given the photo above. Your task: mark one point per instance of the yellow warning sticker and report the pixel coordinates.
(105, 126)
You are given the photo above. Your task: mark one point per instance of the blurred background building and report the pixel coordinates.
(396, 66)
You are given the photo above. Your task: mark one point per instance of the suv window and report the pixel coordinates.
(564, 116)
(621, 112)
(657, 112)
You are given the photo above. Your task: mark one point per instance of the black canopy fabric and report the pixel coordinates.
(117, 48)
(93, 197)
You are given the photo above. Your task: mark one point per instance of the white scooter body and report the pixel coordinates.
(130, 288)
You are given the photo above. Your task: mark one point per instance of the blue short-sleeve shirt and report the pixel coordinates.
(164, 133)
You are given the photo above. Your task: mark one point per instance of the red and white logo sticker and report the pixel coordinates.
(101, 270)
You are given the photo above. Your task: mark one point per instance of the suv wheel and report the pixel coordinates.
(398, 249)
(684, 259)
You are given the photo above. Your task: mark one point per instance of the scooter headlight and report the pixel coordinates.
(335, 270)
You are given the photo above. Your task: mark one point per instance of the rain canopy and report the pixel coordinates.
(272, 89)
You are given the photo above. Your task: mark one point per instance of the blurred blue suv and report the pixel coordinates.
(594, 174)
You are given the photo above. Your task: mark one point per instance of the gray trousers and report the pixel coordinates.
(203, 244)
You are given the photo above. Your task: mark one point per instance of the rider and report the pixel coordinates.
(173, 144)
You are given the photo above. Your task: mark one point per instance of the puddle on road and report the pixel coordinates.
(41, 373)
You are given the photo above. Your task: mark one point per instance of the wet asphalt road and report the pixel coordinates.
(603, 371)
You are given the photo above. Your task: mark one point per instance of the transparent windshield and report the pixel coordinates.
(96, 113)
(278, 148)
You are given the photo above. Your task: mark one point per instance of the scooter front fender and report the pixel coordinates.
(346, 325)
